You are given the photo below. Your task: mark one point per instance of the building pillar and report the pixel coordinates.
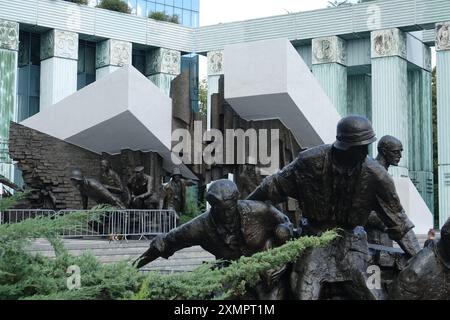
(215, 71)
(390, 91)
(59, 66)
(329, 61)
(420, 129)
(443, 117)
(162, 66)
(359, 95)
(9, 47)
(111, 55)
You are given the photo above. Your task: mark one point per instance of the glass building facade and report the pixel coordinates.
(28, 84)
(187, 11)
(29, 70)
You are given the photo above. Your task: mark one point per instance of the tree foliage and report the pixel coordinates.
(208, 282)
(115, 5)
(435, 151)
(24, 275)
(162, 16)
(203, 96)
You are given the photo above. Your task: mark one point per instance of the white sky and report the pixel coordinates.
(221, 11)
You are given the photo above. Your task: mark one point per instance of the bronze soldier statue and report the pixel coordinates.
(337, 186)
(389, 154)
(230, 229)
(111, 181)
(93, 189)
(141, 188)
(389, 151)
(175, 192)
(109, 178)
(47, 198)
(427, 275)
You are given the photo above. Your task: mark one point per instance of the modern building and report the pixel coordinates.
(187, 11)
(371, 58)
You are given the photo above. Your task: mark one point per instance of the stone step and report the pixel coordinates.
(110, 252)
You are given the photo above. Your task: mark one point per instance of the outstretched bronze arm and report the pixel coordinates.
(188, 235)
(148, 256)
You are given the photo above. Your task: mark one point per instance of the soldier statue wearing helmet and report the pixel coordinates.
(174, 192)
(338, 185)
(230, 229)
(93, 189)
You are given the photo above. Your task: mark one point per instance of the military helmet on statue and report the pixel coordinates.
(76, 174)
(353, 131)
(222, 190)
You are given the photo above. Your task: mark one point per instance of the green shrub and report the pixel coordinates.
(27, 276)
(162, 16)
(115, 5)
(10, 202)
(229, 282)
(192, 210)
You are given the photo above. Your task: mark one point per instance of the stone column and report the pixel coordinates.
(59, 66)
(443, 112)
(111, 55)
(9, 46)
(162, 66)
(359, 95)
(420, 129)
(215, 70)
(390, 91)
(329, 61)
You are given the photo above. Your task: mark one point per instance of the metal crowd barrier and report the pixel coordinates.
(14, 216)
(116, 225)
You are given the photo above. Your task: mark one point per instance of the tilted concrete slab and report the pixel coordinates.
(123, 110)
(269, 80)
(416, 209)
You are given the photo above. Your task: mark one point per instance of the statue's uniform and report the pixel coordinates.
(139, 187)
(252, 232)
(93, 189)
(334, 198)
(175, 196)
(426, 277)
(112, 179)
(256, 225)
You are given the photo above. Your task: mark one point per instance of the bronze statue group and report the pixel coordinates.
(336, 186)
(138, 193)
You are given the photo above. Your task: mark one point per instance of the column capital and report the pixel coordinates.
(163, 60)
(60, 44)
(388, 43)
(442, 36)
(9, 35)
(113, 52)
(215, 63)
(329, 50)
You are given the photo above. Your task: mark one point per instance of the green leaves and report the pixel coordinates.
(207, 282)
(10, 202)
(27, 276)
